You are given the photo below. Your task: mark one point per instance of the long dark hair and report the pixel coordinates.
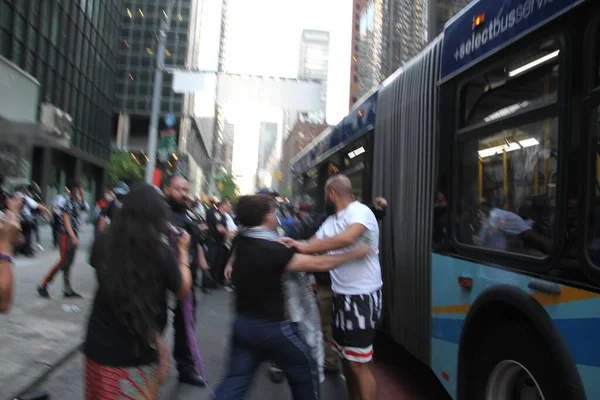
(133, 270)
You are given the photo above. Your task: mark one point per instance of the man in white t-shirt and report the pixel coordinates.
(356, 285)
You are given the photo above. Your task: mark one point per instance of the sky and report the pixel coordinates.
(263, 38)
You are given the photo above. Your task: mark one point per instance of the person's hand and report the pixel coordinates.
(363, 250)
(75, 241)
(381, 203)
(184, 241)
(228, 271)
(203, 227)
(291, 243)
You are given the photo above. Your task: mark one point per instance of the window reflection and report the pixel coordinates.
(527, 81)
(508, 189)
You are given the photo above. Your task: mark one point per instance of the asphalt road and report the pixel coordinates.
(404, 381)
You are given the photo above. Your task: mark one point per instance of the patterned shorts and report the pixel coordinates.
(108, 383)
(354, 319)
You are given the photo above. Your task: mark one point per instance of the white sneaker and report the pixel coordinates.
(39, 246)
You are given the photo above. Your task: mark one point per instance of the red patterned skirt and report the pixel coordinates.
(110, 383)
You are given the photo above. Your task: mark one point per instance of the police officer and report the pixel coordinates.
(176, 188)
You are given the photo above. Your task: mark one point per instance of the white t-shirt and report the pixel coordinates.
(231, 226)
(358, 276)
(500, 226)
(28, 204)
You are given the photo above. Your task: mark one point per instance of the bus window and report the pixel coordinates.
(597, 60)
(593, 236)
(528, 81)
(507, 189)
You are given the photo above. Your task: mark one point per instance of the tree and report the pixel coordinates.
(122, 166)
(227, 186)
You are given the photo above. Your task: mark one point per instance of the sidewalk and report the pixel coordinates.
(38, 334)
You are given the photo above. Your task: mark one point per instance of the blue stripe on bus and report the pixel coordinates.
(580, 335)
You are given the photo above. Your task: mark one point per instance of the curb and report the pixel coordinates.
(41, 371)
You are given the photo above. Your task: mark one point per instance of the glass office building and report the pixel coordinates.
(68, 49)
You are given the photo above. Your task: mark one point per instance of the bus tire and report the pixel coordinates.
(511, 357)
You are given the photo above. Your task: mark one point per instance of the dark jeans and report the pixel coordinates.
(254, 341)
(218, 255)
(55, 234)
(181, 349)
(67, 255)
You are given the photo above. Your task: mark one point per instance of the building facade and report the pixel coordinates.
(67, 49)
(267, 142)
(391, 32)
(440, 11)
(357, 8)
(299, 137)
(314, 64)
(136, 61)
(226, 149)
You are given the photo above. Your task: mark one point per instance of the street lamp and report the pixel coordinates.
(156, 91)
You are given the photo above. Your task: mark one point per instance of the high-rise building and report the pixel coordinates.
(136, 59)
(357, 7)
(371, 59)
(314, 64)
(59, 60)
(391, 33)
(300, 136)
(266, 143)
(226, 149)
(440, 11)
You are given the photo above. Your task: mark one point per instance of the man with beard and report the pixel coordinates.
(176, 189)
(356, 285)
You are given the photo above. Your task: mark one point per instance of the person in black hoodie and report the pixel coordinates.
(176, 188)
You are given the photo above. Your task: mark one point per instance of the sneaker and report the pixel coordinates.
(43, 292)
(72, 294)
(40, 247)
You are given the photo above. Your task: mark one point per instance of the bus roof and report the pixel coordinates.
(361, 119)
(486, 26)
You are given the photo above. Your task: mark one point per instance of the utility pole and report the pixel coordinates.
(156, 91)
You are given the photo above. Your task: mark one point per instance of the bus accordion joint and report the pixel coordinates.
(465, 282)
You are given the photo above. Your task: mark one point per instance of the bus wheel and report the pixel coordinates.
(511, 380)
(512, 362)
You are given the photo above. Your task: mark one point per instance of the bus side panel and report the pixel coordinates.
(404, 173)
(575, 312)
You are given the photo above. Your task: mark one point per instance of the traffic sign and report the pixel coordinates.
(170, 120)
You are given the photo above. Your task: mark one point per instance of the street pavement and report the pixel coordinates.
(41, 342)
(39, 333)
(402, 381)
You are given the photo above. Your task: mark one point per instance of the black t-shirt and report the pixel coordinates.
(108, 342)
(215, 217)
(257, 270)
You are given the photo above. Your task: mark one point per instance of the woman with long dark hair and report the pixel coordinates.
(135, 267)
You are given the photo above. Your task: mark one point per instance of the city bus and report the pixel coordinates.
(487, 147)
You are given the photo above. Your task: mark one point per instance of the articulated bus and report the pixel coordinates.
(487, 147)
